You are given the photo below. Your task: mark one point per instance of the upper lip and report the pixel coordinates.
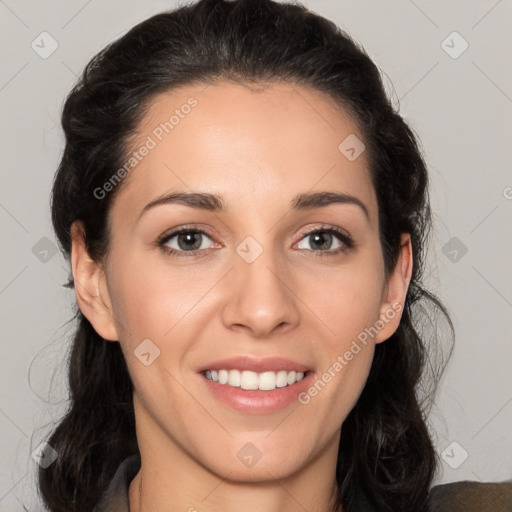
(255, 364)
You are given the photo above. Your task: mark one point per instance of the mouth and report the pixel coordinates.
(254, 381)
(256, 385)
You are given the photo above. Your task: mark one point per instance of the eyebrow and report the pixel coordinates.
(215, 203)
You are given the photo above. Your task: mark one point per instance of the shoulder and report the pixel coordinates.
(469, 496)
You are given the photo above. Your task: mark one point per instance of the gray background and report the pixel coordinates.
(459, 105)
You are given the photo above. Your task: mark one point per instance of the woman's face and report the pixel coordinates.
(247, 287)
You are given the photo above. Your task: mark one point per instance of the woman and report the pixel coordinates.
(245, 216)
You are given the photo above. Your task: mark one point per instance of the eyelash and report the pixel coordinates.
(343, 237)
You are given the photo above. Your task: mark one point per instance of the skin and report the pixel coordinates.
(258, 148)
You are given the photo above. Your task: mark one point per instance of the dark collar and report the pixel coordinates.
(115, 498)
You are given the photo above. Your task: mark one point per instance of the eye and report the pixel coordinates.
(323, 239)
(187, 241)
(184, 242)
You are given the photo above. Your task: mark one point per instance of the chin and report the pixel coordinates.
(262, 471)
(278, 459)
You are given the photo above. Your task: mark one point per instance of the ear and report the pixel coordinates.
(91, 286)
(395, 291)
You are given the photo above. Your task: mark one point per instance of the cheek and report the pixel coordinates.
(150, 300)
(347, 300)
(342, 375)
(349, 308)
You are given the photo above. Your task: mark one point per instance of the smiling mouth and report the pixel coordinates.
(247, 380)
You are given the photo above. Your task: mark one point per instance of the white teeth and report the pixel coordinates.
(265, 381)
(223, 376)
(249, 380)
(234, 378)
(291, 377)
(282, 378)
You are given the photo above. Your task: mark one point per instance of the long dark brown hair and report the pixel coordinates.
(385, 452)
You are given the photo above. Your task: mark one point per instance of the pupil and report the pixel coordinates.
(324, 237)
(187, 237)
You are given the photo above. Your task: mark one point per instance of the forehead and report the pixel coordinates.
(255, 145)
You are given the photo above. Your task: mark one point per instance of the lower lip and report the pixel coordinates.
(257, 401)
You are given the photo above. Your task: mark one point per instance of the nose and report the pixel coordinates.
(260, 297)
